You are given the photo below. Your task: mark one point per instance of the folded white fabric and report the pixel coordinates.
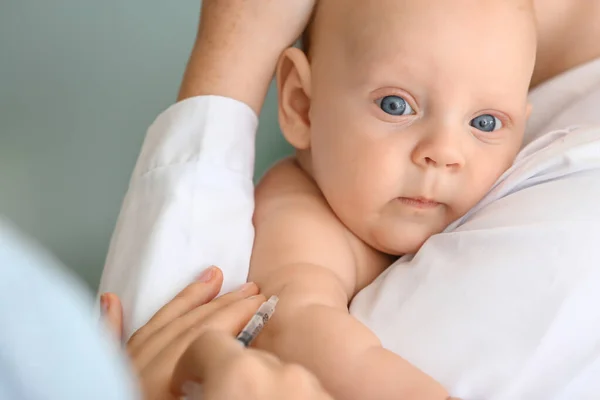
(189, 206)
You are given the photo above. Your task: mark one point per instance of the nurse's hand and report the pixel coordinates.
(229, 371)
(238, 45)
(192, 338)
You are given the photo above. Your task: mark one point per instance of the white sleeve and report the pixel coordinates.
(189, 206)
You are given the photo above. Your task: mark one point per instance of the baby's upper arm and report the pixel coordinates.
(297, 230)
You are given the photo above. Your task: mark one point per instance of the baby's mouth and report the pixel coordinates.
(419, 202)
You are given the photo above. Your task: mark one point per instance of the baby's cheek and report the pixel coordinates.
(462, 208)
(470, 199)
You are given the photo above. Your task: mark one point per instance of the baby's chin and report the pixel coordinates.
(399, 241)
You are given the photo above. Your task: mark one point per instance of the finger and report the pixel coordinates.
(306, 385)
(228, 320)
(209, 354)
(238, 314)
(199, 315)
(235, 317)
(325, 395)
(194, 295)
(112, 312)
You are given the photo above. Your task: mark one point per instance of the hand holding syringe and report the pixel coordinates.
(246, 336)
(258, 321)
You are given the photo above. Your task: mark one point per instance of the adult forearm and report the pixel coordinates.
(228, 68)
(238, 45)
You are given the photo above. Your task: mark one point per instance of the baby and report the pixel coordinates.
(404, 113)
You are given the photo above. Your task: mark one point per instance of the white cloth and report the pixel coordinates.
(500, 306)
(189, 206)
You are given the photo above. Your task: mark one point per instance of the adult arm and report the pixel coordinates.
(190, 199)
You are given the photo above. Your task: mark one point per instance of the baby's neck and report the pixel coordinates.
(568, 36)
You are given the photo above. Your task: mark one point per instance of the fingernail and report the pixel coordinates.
(207, 275)
(247, 286)
(104, 304)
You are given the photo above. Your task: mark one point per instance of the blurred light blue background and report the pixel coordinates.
(80, 81)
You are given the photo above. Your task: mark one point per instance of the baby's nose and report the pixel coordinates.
(439, 151)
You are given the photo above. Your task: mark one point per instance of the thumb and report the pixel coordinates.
(206, 357)
(112, 312)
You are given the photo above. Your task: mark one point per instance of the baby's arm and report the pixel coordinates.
(305, 255)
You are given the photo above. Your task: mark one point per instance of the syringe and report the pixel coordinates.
(258, 321)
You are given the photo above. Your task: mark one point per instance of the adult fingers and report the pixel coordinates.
(112, 312)
(200, 292)
(199, 315)
(227, 370)
(229, 321)
(226, 313)
(230, 318)
(211, 354)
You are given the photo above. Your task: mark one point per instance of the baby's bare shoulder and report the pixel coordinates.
(287, 185)
(288, 197)
(286, 177)
(295, 229)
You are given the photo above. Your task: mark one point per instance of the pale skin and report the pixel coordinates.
(564, 43)
(190, 339)
(370, 183)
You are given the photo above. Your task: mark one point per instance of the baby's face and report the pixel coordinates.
(416, 109)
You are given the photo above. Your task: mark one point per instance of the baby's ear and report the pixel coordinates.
(293, 85)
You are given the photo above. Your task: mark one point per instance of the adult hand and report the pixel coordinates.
(229, 371)
(176, 339)
(238, 44)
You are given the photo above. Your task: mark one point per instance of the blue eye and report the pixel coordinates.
(395, 105)
(486, 123)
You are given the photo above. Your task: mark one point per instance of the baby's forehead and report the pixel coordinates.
(368, 26)
(479, 49)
